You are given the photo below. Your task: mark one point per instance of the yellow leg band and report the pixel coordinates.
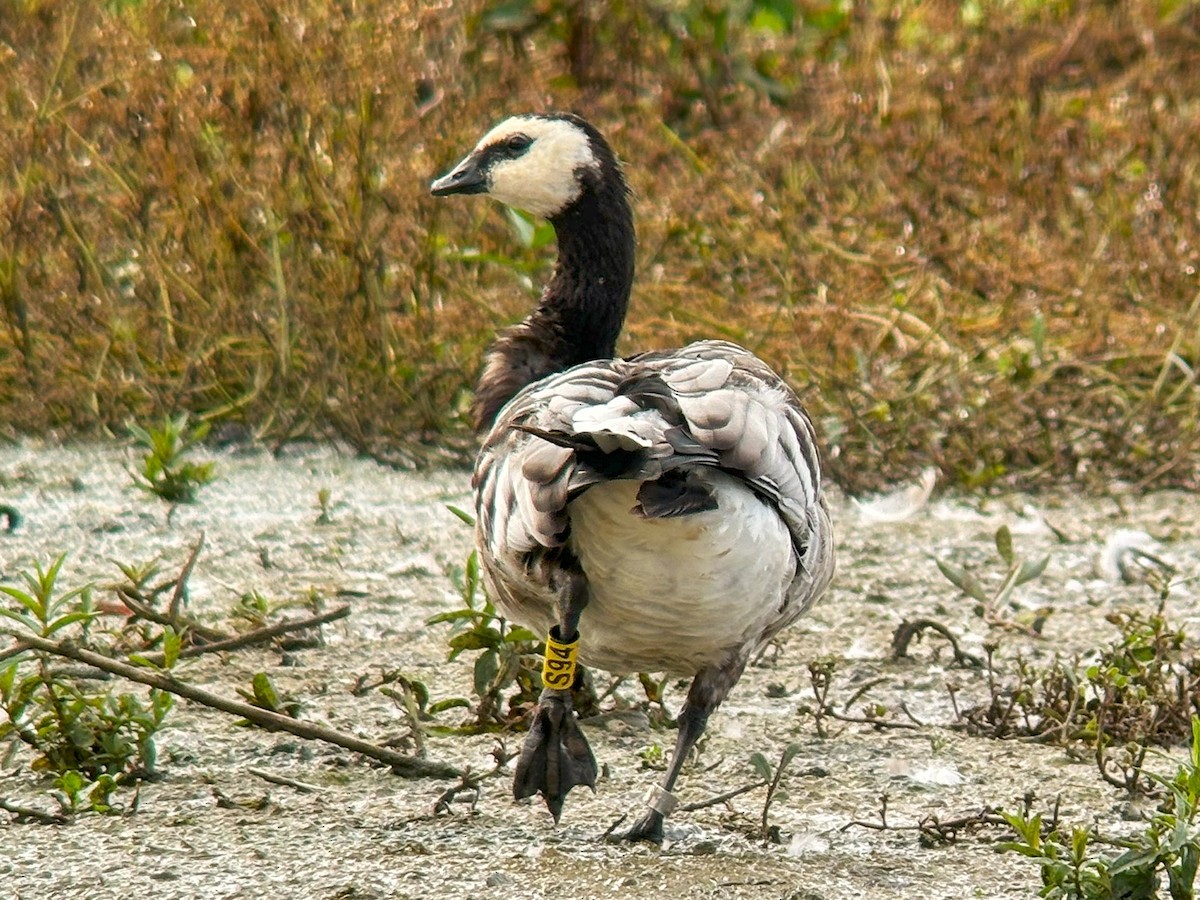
(558, 666)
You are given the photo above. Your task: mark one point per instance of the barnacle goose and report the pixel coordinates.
(661, 512)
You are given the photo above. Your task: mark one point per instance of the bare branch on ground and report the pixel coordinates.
(405, 766)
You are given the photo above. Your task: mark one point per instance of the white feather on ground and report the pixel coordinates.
(1131, 556)
(900, 504)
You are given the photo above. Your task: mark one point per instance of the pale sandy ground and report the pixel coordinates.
(370, 834)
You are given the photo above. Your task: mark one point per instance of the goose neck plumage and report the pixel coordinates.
(582, 309)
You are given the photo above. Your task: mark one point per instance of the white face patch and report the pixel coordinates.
(543, 179)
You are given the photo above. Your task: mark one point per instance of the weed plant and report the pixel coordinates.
(965, 232)
(1141, 689)
(263, 694)
(1084, 865)
(994, 603)
(165, 472)
(507, 667)
(773, 778)
(506, 676)
(83, 732)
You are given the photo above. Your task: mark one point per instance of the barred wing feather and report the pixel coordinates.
(710, 404)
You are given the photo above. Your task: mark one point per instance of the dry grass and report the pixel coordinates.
(969, 234)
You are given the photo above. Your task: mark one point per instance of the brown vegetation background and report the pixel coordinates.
(968, 233)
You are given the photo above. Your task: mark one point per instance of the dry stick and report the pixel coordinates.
(784, 759)
(721, 798)
(931, 825)
(406, 766)
(24, 812)
(182, 580)
(906, 631)
(12, 650)
(137, 603)
(857, 695)
(301, 786)
(908, 712)
(467, 783)
(870, 720)
(472, 782)
(258, 636)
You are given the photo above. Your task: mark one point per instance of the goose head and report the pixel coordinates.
(541, 164)
(558, 167)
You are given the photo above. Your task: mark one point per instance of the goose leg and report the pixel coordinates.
(555, 756)
(709, 688)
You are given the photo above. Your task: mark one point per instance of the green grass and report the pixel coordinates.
(965, 232)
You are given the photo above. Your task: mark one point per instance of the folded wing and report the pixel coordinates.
(650, 418)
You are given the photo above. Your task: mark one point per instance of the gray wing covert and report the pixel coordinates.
(522, 482)
(711, 403)
(756, 426)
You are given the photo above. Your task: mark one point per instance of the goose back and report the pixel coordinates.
(689, 432)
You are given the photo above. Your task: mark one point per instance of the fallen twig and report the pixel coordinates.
(224, 801)
(181, 582)
(862, 689)
(908, 712)
(935, 830)
(607, 837)
(182, 624)
(406, 766)
(881, 825)
(722, 798)
(142, 602)
(785, 759)
(907, 631)
(258, 636)
(25, 812)
(301, 786)
(469, 785)
(939, 831)
(873, 721)
(12, 650)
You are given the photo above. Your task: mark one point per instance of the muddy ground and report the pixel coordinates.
(368, 833)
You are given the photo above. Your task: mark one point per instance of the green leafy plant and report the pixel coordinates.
(74, 792)
(1140, 690)
(653, 757)
(1082, 865)
(993, 601)
(165, 472)
(70, 726)
(264, 695)
(412, 698)
(507, 654)
(772, 776)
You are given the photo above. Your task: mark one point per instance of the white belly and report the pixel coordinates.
(677, 594)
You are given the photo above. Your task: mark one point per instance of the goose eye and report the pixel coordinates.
(518, 143)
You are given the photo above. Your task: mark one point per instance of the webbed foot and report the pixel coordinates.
(555, 756)
(649, 827)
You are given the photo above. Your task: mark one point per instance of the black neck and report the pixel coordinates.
(583, 306)
(588, 295)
